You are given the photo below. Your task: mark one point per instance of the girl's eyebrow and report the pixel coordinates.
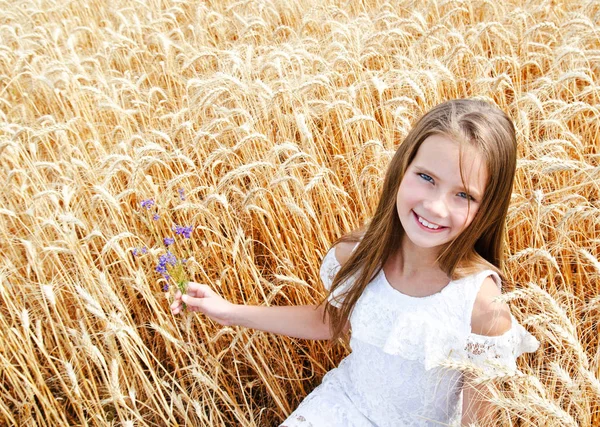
(474, 192)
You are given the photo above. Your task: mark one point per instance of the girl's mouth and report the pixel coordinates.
(428, 226)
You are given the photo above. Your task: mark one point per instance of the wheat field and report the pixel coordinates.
(276, 119)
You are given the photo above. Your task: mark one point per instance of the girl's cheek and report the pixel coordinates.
(464, 218)
(469, 216)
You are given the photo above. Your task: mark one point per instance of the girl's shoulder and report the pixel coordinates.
(488, 315)
(343, 250)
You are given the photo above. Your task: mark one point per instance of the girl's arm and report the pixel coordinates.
(489, 318)
(304, 321)
(476, 407)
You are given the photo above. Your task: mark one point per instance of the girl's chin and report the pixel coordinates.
(422, 239)
(425, 244)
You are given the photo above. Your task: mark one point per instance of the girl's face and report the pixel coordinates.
(432, 203)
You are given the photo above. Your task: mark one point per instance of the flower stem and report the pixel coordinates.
(182, 286)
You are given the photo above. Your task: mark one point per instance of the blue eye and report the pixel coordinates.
(426, 177)
(466, 196)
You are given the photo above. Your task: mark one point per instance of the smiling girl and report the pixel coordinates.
(417, 286)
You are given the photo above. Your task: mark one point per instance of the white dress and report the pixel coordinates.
(392, 377)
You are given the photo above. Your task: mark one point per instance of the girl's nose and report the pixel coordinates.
(437, 207)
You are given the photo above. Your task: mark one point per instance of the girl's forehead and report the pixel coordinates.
(446, 159)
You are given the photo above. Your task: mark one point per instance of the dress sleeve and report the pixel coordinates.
(329, 268)
(497, 355)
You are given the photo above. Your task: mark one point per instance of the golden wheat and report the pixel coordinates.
(278, 120)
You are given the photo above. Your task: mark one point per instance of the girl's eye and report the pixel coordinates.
(426, 177)
(466, 196)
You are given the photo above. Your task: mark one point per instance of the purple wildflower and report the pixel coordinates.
(147, 204)
(167, 258)
(184, 231)
(155, 217)
(181, 194)
(163, 260)
(166, 287)
(183, 260)
(168, 241)
(135, 252)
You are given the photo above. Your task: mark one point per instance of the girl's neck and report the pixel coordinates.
(412, 261)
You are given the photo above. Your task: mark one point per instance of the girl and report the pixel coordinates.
(417, 286)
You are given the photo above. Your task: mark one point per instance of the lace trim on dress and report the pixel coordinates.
(412, 327)
(497, 355)
(416, 333)
(420, 336)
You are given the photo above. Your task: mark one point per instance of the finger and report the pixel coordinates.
(193, 286)
(198, 290)
(193, 302)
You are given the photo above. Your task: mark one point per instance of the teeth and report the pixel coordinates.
(428, 224)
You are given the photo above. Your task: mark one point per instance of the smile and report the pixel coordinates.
(428, 225)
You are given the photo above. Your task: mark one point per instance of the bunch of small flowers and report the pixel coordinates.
(138, 252)
(169, 265)
(163, 260)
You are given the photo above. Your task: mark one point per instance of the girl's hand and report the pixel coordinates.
(203, 299)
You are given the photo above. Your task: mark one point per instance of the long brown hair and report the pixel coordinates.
(480, 245)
